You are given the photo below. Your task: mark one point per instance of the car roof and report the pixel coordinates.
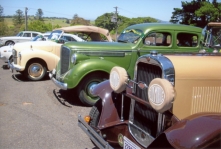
(86, 29)
(164, 26)
(214, 24)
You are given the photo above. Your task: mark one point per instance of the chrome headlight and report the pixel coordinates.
(13, 52)
(73, 58)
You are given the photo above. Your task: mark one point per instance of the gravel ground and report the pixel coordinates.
(38, 115)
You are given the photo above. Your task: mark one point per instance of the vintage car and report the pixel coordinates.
(213, 36)
(83, 65)
(35, 59)
(20, 37)
(173, 101)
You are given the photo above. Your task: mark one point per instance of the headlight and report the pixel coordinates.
(74, 58)
(118, 79)
(161, 94)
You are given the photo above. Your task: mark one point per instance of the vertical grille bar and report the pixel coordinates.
(14, 56)
(65, 59)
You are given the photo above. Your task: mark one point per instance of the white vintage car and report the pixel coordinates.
(20, 37)
(6, 52)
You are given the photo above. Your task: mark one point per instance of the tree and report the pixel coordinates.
(18, 18)
(197, 13)
(39, 14)
(79, 21)
(67, 21)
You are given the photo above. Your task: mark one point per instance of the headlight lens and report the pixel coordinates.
(73, 58)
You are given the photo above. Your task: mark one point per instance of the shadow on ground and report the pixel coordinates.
(5, 67)
(68, 98)
(22, 78)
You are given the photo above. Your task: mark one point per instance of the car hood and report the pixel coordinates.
(100, 46)
(36, 45)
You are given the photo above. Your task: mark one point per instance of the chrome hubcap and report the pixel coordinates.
(35, 70)
(91, 87)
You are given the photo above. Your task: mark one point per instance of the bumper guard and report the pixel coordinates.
(56, 82)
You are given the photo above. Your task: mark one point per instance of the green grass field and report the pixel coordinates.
(53, 21)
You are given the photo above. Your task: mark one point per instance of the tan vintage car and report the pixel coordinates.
(173, 101)
(35, 59)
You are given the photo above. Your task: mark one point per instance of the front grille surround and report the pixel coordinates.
(14, 54)
(145, 122)
(64, 59)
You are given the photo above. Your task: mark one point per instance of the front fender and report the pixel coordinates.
(80, 70)
(50, 59)
(197, 131)
(109, 114)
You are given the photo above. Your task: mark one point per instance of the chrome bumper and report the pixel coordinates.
(94, 136)
(61, 85)
(14, 66)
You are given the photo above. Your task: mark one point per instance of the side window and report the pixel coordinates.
(27, 35)
(34, 34)
(70, 38)
(158, 39)
(187, 40)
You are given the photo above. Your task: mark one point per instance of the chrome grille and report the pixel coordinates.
(145, 118)
(64, 59)
(146, 73)
(14, 52)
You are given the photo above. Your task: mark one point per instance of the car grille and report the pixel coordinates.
(64, 59)
(14, 52)
(145, 117)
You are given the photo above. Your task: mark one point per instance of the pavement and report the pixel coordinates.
(39, 115)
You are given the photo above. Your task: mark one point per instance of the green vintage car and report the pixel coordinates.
(83, 65)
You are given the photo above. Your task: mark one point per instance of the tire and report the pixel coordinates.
(9, 43)
(86, 84)
(35, 71)
(95, 116)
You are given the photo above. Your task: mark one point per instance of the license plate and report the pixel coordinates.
(129, 144)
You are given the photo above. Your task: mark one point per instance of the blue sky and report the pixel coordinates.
(91, 9)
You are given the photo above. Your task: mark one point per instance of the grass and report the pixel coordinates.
(54, 21)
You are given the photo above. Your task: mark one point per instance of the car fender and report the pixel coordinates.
(107, 117)
(50, 59)
(196, 131)
(80, 70)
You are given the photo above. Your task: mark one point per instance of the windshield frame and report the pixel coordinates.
(130, 36)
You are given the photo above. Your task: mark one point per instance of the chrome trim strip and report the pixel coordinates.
(93, 135)
(102, 53)
(61, 85)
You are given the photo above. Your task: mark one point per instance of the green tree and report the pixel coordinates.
(196, 12)
(79, 21)
(18, 18)
(39, 14)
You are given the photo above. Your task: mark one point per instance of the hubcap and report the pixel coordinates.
(90, 88)
(35, 70)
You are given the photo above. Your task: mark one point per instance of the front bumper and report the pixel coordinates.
(59, 84)
(14, 66)
(94, 136)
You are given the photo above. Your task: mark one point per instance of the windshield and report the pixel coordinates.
(55, 35)
(213, 36)
(130, 36)
(19, 34)
(38, 38)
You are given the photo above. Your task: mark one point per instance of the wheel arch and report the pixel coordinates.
(81, 70)
(36, 60)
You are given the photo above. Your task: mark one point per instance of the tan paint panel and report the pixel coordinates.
(197, 84)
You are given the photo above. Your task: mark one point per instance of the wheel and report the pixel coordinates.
(85, 87)
(35, 71)
(95, 114)
(9, 43)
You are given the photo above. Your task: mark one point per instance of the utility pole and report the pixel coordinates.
(26, 18)
(115, 19)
